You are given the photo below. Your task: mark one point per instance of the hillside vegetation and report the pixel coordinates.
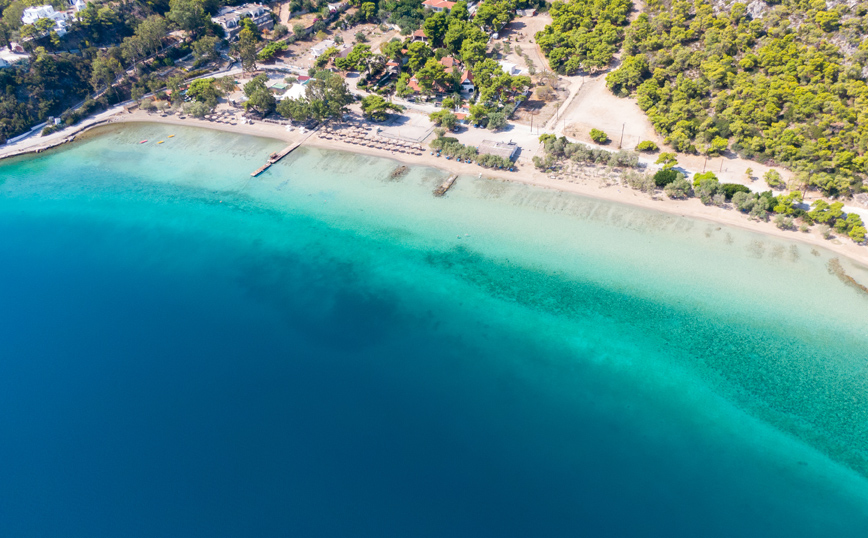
(584, 36)
(788, 86)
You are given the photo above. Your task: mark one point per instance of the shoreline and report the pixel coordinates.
(690, 208)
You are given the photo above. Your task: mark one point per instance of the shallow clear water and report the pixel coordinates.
(326, 351)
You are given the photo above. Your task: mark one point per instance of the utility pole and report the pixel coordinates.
(704, 163)
(622, 134)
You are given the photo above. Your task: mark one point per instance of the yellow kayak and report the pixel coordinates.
(160, 142)
(170, 136)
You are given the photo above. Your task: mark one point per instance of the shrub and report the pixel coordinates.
(698, 178)
(729, 189)
(496, 121)
(638, 180)
(784, 223)
(665, 177)
(624, 158)
(678, 189)
(668, 160)
(707, 189)
(445, 118)
(647, 146)
(268, 52)
(197, 109)
(280, 31)
(599, 136)
(825, 230)
(196, 73)
(760, 209)
(773, 178)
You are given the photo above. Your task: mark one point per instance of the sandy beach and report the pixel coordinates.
(525, 173)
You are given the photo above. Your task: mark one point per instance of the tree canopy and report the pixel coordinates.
(326, 96)
(377, 108)
(584, 36)
(788, 88)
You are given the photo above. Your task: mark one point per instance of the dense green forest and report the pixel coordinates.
(787, 87)
(584, 36)
(47, 87)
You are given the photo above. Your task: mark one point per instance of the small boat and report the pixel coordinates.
(143, 141)
(160, 142)
(170, 136)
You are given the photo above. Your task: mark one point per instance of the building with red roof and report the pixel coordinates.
(449, 63)
(438, 5)
(467, 81)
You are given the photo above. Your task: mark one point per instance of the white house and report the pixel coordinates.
(296, 91)
(510, 68)
(77, 5)
(3, 63)
(318, 49)
(33, 14)
(467, 81)
(337, 7)
(229, 18)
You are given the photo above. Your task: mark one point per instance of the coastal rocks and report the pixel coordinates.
(399, 172)
(442, 189)
(836, 269)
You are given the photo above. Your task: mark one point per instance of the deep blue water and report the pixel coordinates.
(180, 362)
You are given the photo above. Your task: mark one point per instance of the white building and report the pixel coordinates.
(296, 91)
(11, 57)
(229, 18)
(33, 14)
(77, 5)
(467, 82)
(510, 68)
(318, 49)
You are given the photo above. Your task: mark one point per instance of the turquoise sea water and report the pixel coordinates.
(325, 351)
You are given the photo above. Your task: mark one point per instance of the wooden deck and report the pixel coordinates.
(274, 157)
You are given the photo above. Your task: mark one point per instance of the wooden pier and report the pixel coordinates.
(274, 157)
(441, 190)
